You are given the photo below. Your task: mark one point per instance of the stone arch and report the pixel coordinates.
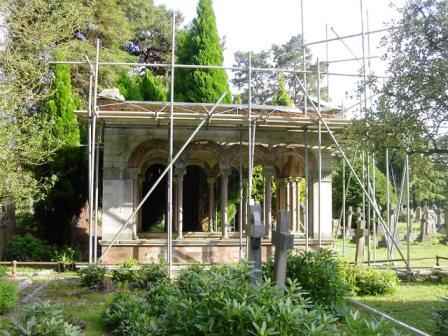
(137, 157)
(290, 157)
(261, 155)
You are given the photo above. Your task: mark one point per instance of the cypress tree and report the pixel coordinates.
(282, 97)
(200, 45)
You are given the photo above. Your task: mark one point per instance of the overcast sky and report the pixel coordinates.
(253, 25)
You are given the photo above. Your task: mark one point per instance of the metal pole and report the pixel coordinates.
(97, 164)
(374, 213)
(249, 123)
(306, 216)
(305, 109)
(368, 214)
(387, 202)
(364, 190)
(349, 36)
(344, 230)
(169, 167)
(328, 65)
(89, 146)
(240, 222)
(319, 153)
(408, 213)
(170, 156)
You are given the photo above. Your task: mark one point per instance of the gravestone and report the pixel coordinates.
(424, 236)
(283, 241)
(432, 222)
(255, 231)
(349, 232)
(445, 213)
(412, 235)
(336, 227)
(418, 214)
(361, 233)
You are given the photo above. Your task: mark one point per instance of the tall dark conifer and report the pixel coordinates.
(201, 45)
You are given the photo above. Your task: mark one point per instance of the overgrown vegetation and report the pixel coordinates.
(441, 319)
(93, 276)
(8, 295)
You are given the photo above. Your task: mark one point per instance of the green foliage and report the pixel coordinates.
(8, 295)
(130, 262)
(41, 319)
(26, 248)
(200, 44)
(357, 325)
(3, 271)
(93, 276)
(367, 281)
(282, 97)
(441, 319)
(318, 274)
(354, 195)
(134, 276)
(146, 87)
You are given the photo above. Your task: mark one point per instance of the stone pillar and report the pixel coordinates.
(293, 204)
(180, 172)
(211, 203)
(268, 173)
(325, 210)
(225, 172)
(298, 219)
(245, 203)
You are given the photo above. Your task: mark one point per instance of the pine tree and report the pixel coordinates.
(282, 97)
(201, 45)
(60, 109)
(153, 87)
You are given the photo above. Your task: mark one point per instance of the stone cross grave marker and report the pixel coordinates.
(283, 241)
(446, 224)
(361, 233)
(424, 236)
(255, 231)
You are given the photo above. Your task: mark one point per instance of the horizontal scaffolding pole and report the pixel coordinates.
(348, 36)
(351, 59)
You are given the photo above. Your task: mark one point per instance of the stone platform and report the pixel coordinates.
(196, 247)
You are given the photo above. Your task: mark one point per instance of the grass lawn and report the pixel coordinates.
(412, 304)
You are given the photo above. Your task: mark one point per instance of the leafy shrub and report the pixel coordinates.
(131, 262)
(26, 248)
(42, 319)
(368, 281)
(355, 325)
(3, 271)
(319, 275)
(8, 295)
(140, 277)
(441, 319)
(93, 276)
(219, 301)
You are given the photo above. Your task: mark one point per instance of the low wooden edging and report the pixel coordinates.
(371, 310)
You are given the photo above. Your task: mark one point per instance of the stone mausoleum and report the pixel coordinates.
(206, 194)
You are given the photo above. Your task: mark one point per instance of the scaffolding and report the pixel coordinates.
(311, 109)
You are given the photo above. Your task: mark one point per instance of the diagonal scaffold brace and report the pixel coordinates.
(364, 190)
(137, 209)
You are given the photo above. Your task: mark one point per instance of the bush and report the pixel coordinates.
(26, 248)
(140, 277)
(42, 319)
(3, 271)
(355, 325)
(319, 275)
(8, 296)
(368, 281)
(441, 319)
(93, 276)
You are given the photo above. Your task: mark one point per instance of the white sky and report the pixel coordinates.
(253, 25)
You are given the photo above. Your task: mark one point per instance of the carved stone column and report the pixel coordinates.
(225, 172)
(293, 204)
(211, 203)
(245, 203)
(268, 174)
(180, 172)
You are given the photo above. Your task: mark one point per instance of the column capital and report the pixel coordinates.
(180, 171)
(225, 170)
(268, 171)
(211, 180)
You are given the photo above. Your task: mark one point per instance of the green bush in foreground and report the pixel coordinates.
(318, 274)
(140, 277)
(41, 319)
(26, 248)
(93, 276)
(367, 281)
(221, 301)
(441, 319)
(8, 296)
(3, 271)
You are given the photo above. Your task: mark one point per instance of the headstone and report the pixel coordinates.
(349, 232)
(418, 214)
(255, 231)
(361, 233)
(283, 241)
(432, 222)
(336, 227)
(424, 236)
(445, 213)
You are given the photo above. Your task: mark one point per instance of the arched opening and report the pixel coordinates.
(155, 208)
(195, 200)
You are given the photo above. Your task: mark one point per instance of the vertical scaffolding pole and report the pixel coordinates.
(305, 110)
(97, 164)
(240, 223)
(170, 156)
(387, 202)
(319, 153)
(306, 216)
(408, 213)
(249, 125)
(328, 64)
(374, 213)
(89, 150)
(344, 230)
